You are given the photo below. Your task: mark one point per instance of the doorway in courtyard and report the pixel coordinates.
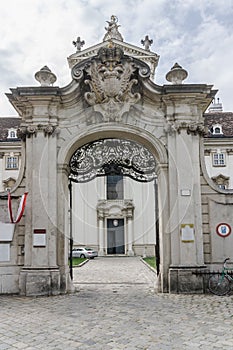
(114, 200)
(115, 236)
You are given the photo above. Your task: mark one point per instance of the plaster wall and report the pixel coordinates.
(226, 170)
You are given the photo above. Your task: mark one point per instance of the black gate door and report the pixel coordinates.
(115, 236)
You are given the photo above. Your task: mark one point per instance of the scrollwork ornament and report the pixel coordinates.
(77, 73)
(48, 129)
(144, 72)
(32, 130)
(112, 156)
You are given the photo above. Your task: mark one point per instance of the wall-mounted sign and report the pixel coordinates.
(187, 233)
(4, 252)
(6, 232)
(185, 192)
(223, 229)
(39, 238)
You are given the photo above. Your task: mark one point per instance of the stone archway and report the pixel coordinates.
(111, 95)
(158, 169)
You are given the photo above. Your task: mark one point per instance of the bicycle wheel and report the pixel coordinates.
(219, 285)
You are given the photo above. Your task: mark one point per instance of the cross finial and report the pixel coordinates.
(78, 43)
(147, 42)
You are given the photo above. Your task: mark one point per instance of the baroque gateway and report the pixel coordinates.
(115, 161)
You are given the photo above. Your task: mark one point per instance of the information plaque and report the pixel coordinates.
(39, 238)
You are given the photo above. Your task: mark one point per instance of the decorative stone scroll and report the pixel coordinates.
(112, 157)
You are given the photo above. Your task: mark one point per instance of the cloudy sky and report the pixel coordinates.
(198, 34)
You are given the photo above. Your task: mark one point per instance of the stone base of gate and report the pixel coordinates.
(41, 281)
(186, 280)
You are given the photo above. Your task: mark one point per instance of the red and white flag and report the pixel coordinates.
(20, 209)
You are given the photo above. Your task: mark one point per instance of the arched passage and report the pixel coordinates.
(137, 159)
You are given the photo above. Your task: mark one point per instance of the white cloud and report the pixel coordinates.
(196, 33)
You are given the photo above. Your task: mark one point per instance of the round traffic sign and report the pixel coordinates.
(223, 229)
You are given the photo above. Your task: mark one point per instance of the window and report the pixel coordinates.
(219, 159)
(12, 134)
(115, 187)
(12, 163)
(217, 129)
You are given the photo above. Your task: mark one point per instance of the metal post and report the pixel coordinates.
(71, 233)
(157, 251)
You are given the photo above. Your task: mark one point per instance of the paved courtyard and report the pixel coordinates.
(115, 307)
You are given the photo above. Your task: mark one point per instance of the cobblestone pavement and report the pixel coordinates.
(115, 307)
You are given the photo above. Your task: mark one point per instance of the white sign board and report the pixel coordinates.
(187, 233)
(4, 252)
(6, 232)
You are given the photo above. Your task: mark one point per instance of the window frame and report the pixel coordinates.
(12, 163)
(219, 159)
(112, 192)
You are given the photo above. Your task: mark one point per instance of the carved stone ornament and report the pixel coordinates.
(112, 157)
(45, 76)
(28, 131)
(111, 78)
(125, 208)
(176, 75)
(147, 42)
(193, 129)
(112, 30)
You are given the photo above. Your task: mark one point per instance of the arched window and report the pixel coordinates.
(12, 134)
(217, 129)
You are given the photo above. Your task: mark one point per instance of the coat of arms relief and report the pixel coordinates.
(111, 77)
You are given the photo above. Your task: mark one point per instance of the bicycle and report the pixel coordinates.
(219, 284)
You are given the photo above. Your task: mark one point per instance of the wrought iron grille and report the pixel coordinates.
(112, 157)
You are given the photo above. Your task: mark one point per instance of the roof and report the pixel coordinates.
(225, 119)
(7, 123)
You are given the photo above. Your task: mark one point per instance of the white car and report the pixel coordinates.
(84, 253)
